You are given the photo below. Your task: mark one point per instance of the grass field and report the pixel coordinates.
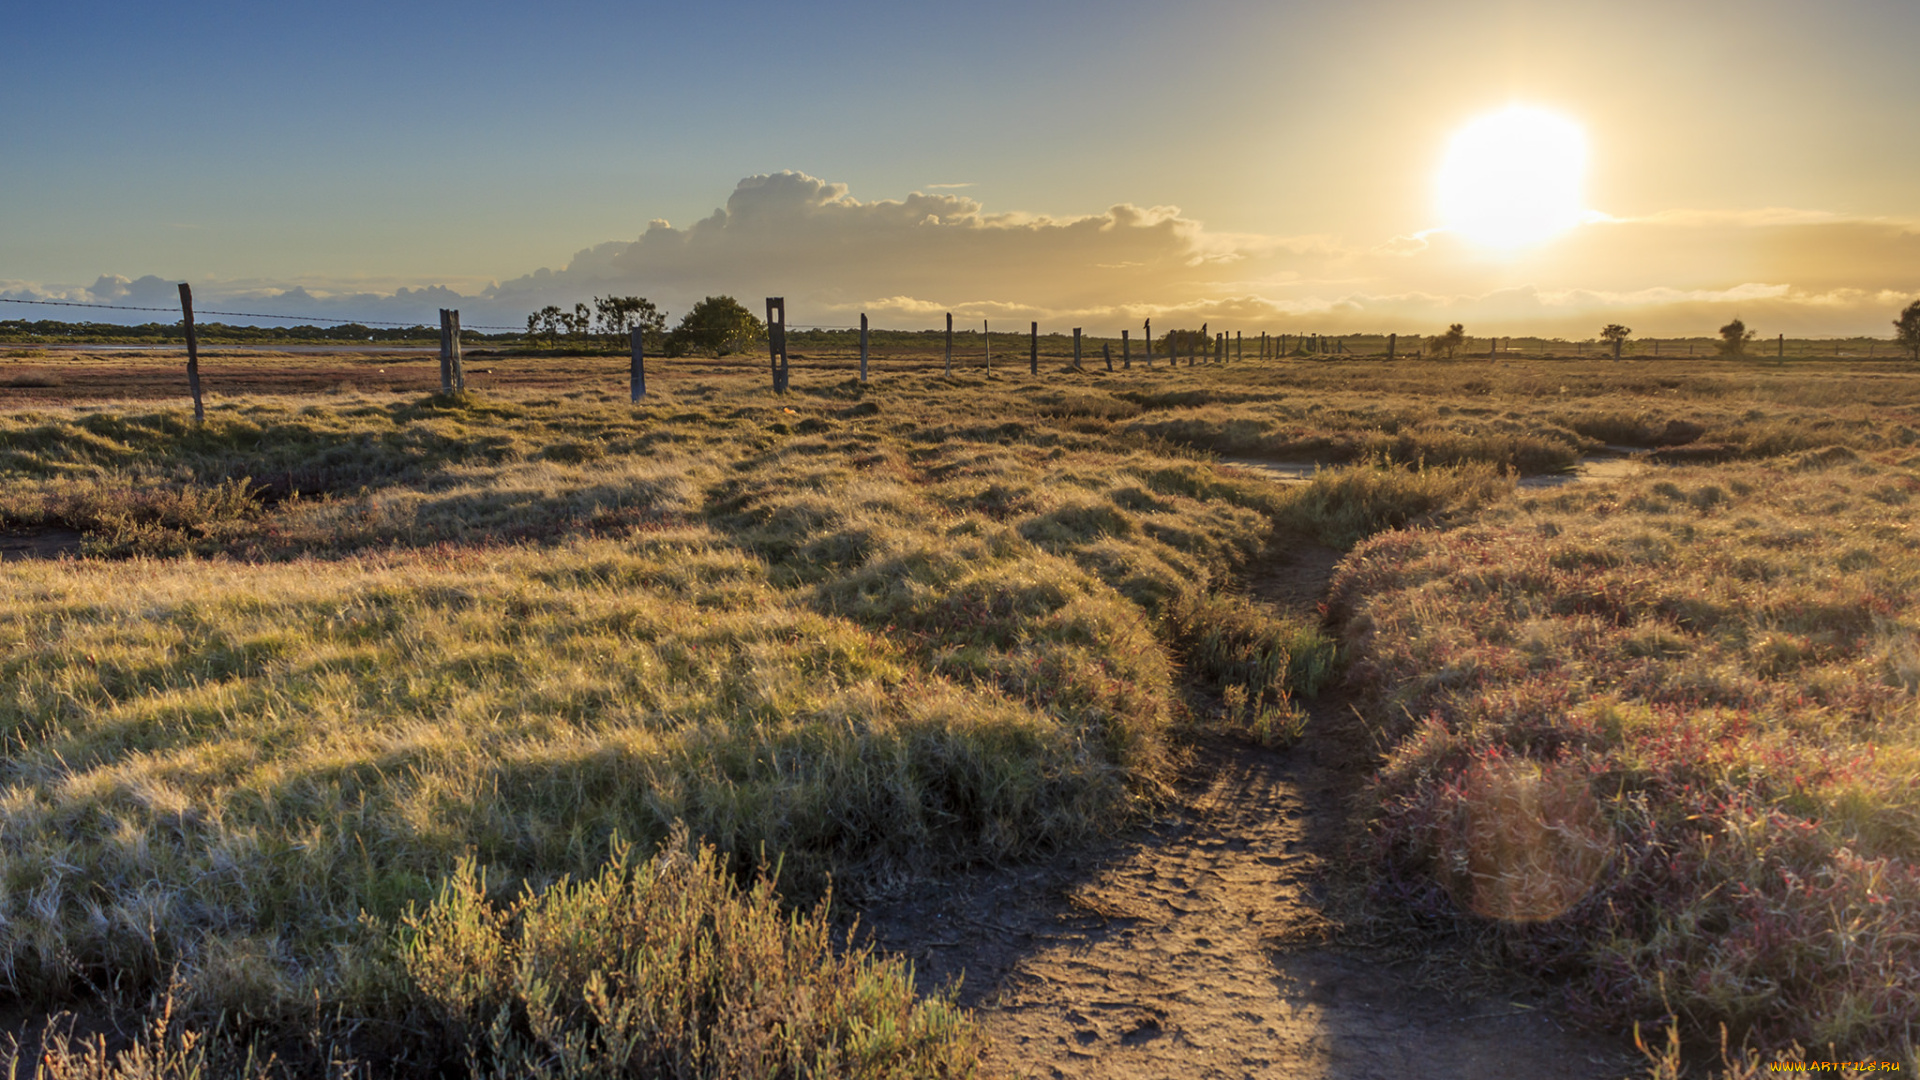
(338, 676)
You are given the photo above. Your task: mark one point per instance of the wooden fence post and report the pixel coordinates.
(638, 377)
(986, 339)
(1393, 342)
(1076, 348)
(1106, 353)
(777, 341)
(1033, 352)
(193, 352)
(446, 353)
(1493, 347)
(1149, 344)
(1126, 351)
(1783, 345)
(949, 342)
(863, 346)
(453, 335)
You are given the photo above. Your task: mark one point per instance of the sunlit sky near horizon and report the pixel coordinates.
(1267, 165)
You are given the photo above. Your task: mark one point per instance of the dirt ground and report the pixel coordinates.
(1197, 946)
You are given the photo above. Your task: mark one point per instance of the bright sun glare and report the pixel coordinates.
(1513, 178)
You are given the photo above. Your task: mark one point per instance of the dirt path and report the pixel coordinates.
(1193, 949)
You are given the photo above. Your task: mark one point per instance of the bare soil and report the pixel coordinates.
(1200, 947)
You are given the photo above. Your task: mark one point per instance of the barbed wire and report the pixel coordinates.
(249, 314)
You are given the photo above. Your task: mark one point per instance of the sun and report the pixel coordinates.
(1514, 178)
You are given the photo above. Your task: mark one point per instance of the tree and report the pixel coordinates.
(716, 325)
(579, 322)
(549, 321)
(1451, 341)
(1734, 337)
(621, 314)
(1907, 330)
(1617, 334)
(1183, 342)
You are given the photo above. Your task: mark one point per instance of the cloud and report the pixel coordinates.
(907, 262)
(941, 187)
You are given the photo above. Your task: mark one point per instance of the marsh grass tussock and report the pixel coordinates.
(1706, 687)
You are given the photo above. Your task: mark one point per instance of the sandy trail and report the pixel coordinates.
(1193, 948)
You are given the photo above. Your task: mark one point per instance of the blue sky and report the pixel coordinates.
(356, 148)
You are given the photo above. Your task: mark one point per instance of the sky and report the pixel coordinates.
(1266, 166)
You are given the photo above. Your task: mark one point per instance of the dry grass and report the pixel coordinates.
(1661, 736)
(325, 654)
(854, 634)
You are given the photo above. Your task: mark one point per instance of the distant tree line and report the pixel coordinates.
(716, 326)
(1734, 337)
(52, 330)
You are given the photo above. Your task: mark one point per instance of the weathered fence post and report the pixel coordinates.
(949, 342)
(1783, 345)
(863, 346)
(1126, 351)
(1033, 352)
(1149, 344)
(193, 352)
(453, 336)
(1393, 342)
(638, 377)
(446, 353)
(1106, 353)
(1238, 354)
(1076, 348)
(777, 341)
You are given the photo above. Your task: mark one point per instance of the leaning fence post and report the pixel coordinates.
(446, 354)
(453, 335)
(1126, 351)
(193, 353)
(949, 342)
(1033, 352)
(777, 342)
(1076, 348)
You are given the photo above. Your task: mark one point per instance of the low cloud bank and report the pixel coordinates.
(907, 262)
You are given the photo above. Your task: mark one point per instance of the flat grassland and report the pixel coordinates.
(331, 681)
